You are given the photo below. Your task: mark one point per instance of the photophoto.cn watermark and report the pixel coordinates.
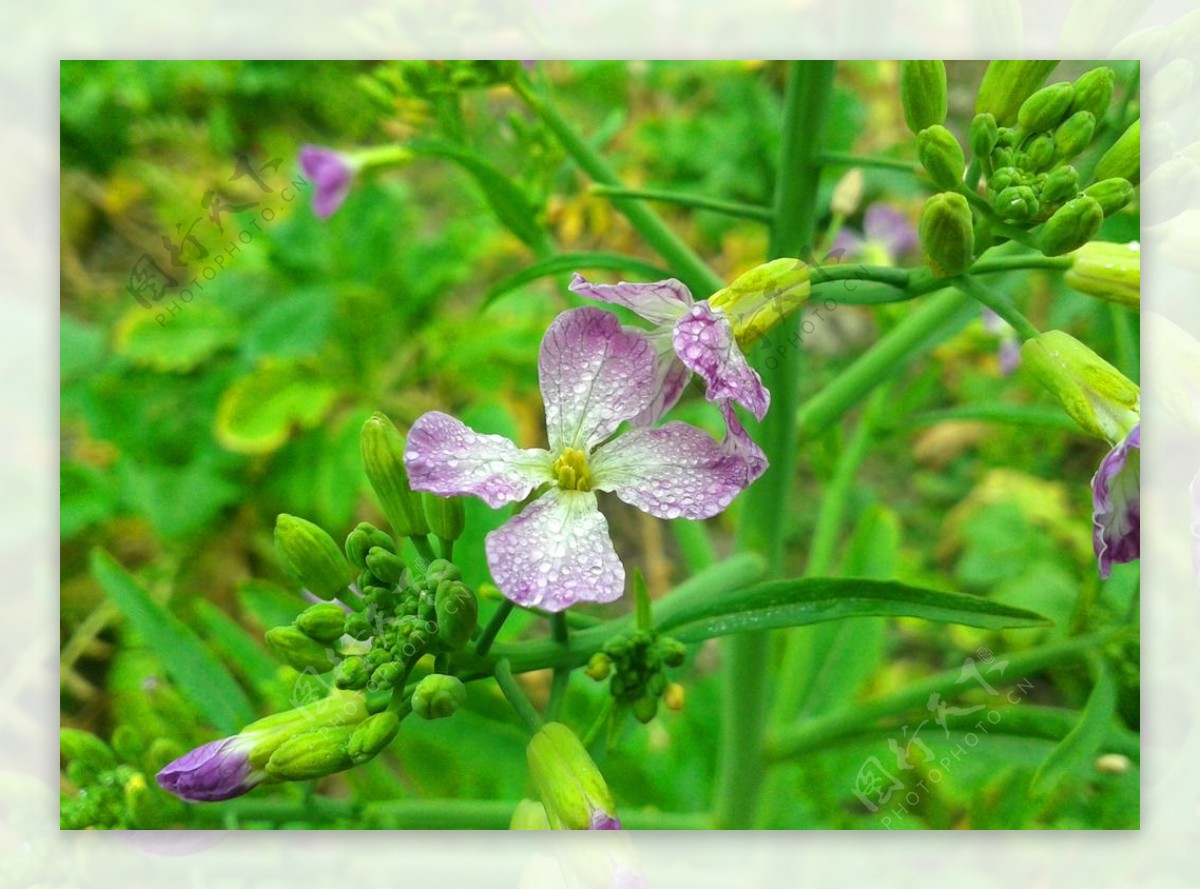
(894, 794)
(187, 256)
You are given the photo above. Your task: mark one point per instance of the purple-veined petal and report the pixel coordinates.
(704, 341)
(891, 229)
(674, 471)
(738, 443)
(555, 553)
(593, 376)
(670, 380)
(331, 172)
(447, 457)
(218, 770)
(1116, 502)
(659, 302)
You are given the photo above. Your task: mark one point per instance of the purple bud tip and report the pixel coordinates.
(332, 172)
(602, 821)
(216, 771)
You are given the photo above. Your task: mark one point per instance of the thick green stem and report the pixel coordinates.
(685, 262)
(562, 675)
(423, 547)
(697, 202)
(762, 527)
(493, 627)
(981, 293)
(516, 696)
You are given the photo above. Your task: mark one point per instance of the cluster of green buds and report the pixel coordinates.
(111, 787)
(636, 663)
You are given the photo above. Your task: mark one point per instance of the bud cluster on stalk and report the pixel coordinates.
(636, 663)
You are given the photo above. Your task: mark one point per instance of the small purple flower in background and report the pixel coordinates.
(1009, 352)
(332, 172)
(1116, 517)
(557, 551)
(887, 235)
(218, 770)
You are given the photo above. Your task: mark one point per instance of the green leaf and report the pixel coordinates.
(572, 262)
(242, 650)
(1075, 752)
(809, 600)
(194, 670)
(257, 412)
(177, 344)
(178, 500)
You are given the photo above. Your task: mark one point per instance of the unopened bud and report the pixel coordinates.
(1110, 271)
(673, 697)
(758, 300)
(923, 93)
(438, 571)
(387, 567)
(645, 708)
(1060, 185)
(324, 622)
(360, 542)
(1072, 225)
(383, 459)
(446, 516)
(947, 236)
(529, 816)
(1046, 108)
(673, 651)
(457, 613)
(1110, 194)
(983, 136)
(352, 672)
(941, 156)
(1093, 92)
(848, 193)
(437, 696)
(372, 736)
(80, 746)
(599, 666)
(312, 755)
(571, 787)
(311, 556)
(1017, 203)
(298, 650)
(358, 626)
(1113, 764)
(1124, 159)
(1007, 83)
(1039, 154)
(1003, 177)
(1074, 135)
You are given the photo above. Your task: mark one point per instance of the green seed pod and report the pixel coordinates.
(1072, 225)
(1046, 108)
(1112, 272)
(1093, 92)
(1110, 194)
(383, 459)
(1017, 204)
(437, 696)
(941, 156)
(324, 622)
(358, 626)
(298, 650)
(311, 556)
(947, 235)
(1060, 185)
(372, 736)
(351, 673)
(312, 755)
(923, 93)
(457, 613)
(1039, 154)
(446, 516)
(983, 137)
(1124, 158)
(387, 567)
(1074, 135)
(1007, 83)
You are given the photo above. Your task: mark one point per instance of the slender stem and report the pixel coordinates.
(687, 264)
(562, 674)
(493, 627)
(446, 545)
(1017, 263)
(983, 294)
(423, 547)
(698, 202)
(740, 765)
(858, 272)
(520, 702)
(848, 159)
(598, 725)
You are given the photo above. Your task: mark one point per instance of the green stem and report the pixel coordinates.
(562, 675)
(889, 275)
(981, 293)
(761, 529)
(1018, 263)
(694, 544)
(685, 262)
(493, 627)
(913, 337)
(847, 159)
(423, 547)
(516, 696)
(698, 202)
(827, 729)
(447, 548)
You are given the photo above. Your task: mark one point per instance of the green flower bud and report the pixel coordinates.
(1008, 83)
(383, 459)
(1046, 108)
(387, 567)
(1110, 271)
(1061, 184)
(78, 746)
(599, 666)
(1039, 154)
(761, 298)
(1110, 194)
(1003, 177)
(1095, 394)
(365, 537)
(673, 651)
(571, 787)
(372, 736)
(1074, 135)
(437, 696)
(312, 755)
(947, 236)
(1004, 157)
(529, 816)
(1093, 92)
(1124, 159)
(298, 650)
(352, 672)
(386, 675)
(1072, 225)
(457, 613)
(645, 708)
(923, 93)
(324, 622)
(983, 136)
(358, 626)
(673, 697)
(146, 807)
(446, 516)
(941, 156)
(438, 571)
(311, 556)
(1017, 203)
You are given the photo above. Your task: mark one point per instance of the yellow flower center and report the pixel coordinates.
(571, 471)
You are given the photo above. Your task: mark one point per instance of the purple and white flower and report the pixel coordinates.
(218, 770)
(557, 551)
(1116, 516)
(887, 234)
(332, 172)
